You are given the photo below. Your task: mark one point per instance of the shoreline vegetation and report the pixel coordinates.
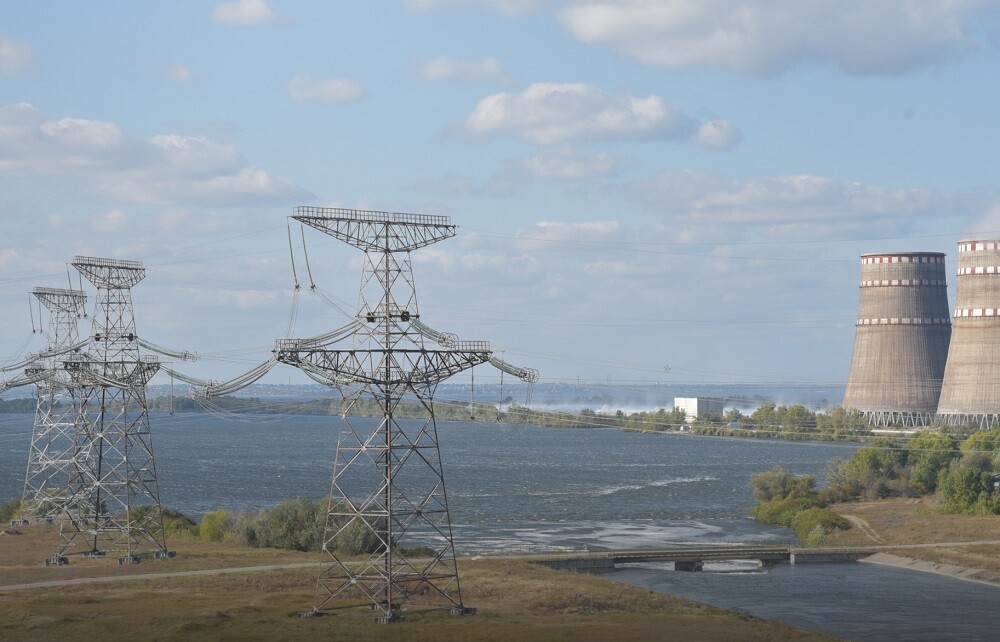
(768, 421)
(927, 463)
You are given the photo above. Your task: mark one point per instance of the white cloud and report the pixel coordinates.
(243, 13)
(488, 70)
(568, 163)
(763, 38)
(858, 36)
(718, 134)
(703, 205)
(330, 91)
(180, 74)
(548, 113)
(167, 168)
(16, 57)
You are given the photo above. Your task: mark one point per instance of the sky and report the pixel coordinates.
(667, 191)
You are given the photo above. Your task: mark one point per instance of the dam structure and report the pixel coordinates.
(970, 393)
(901, 338)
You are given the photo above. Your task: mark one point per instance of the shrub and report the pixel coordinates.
(357, 539)
(781, 511)
(10, 510)
(294, 524)
(777, 484)
(214, 525)
(812, 525)
(177, 523)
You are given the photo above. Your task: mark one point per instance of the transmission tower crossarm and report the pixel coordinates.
(377, 231)
(449, 339)
(416, 367)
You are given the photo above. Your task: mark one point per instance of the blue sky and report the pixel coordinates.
(637, 184)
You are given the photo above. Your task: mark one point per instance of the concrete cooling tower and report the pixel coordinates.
(901, 339)
(971, 389)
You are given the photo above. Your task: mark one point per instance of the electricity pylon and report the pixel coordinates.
(53, 437)
(115, 503)
(388, 536)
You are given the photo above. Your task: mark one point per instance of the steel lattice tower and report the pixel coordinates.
(115, 505)
(388, 481)
(52, 451)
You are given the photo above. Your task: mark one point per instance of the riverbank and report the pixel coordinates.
(979, 575)
(917, 534)
(515, 600)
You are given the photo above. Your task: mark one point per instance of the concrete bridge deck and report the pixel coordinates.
(693, 557)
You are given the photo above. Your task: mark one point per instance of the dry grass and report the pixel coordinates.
(22, 556)
(921, 521)
(516, 601)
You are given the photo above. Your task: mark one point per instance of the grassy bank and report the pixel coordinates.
(903, 521)
(515, 600)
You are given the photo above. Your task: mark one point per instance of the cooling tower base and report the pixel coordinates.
(982, 421)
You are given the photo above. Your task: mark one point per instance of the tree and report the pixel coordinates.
(986, 442)
(778, 484)
(963, 488)
(873, 471)
(928, 453)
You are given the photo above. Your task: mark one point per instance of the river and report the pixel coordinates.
(527, 488)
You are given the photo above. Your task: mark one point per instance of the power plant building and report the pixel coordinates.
(901, 338)
(971, 388)
(695, 406)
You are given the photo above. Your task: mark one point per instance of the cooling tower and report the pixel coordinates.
(901, 339)
(971, 389)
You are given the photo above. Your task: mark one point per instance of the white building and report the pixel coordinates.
(695, 406)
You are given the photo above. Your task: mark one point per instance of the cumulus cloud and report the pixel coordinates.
(331, 91)
(718, 134)
(858, 36)
(547, 113)
(763, 38)
(16, 57)
(244, 13)
(163, 169)
(567, 163)
(813, 206)
(487, 70)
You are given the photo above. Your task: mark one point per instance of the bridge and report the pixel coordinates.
(693, 557)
